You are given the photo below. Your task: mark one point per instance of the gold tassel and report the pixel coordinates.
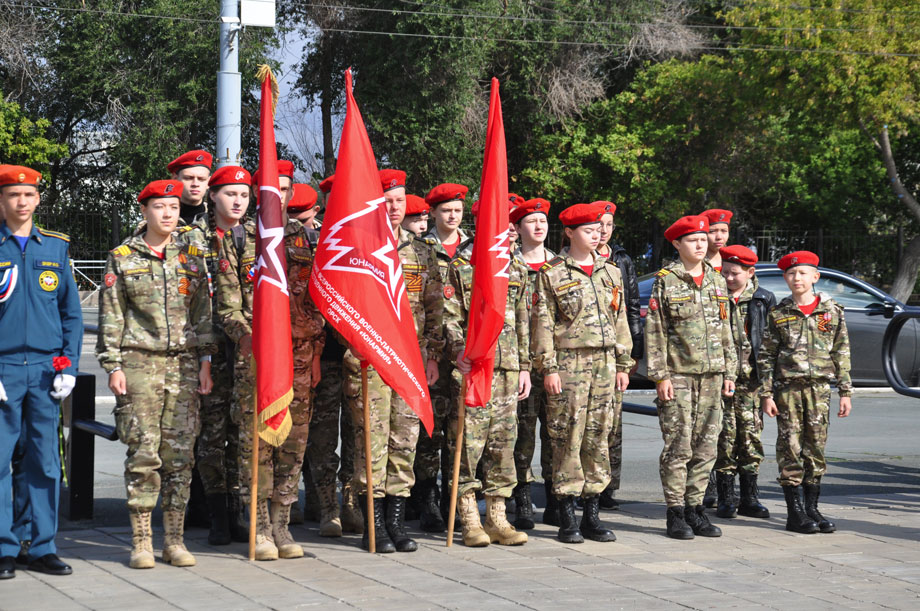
(264, 73)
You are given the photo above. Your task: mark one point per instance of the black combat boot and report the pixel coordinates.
(591, 526)
(383, 544)
(444, 501)
(677, 526)
(523, 512)
(220, 524)
(551, 513)
(568, 527)
(725, 483)
(709, 497)
(429, 517)
(607, 500)
(697, 519)
(812, 492)
(797, 520)
(236, 521)
(396, 527)
(750, 506)
(196, 510)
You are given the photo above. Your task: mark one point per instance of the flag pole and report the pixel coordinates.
(455, 477)
(368, 467)
(254, 476)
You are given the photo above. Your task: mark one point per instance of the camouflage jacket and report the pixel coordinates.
(234, 284)
(425, 292)
(574, 310)
(687, 329)
(464, 249)
(153, 304)
(306, 321)
(738, 312)
(798, 347)
(512, 353)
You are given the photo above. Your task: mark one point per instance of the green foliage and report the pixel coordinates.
(24, 141)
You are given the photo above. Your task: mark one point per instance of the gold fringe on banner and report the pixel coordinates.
(276, 437)
(264, 73)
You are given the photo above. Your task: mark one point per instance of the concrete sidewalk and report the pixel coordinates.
(872, 562)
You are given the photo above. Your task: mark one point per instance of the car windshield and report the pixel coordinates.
(846, 294)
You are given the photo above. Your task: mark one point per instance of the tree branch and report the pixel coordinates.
(896, 185)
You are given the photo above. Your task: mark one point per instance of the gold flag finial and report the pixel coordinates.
(266, 73)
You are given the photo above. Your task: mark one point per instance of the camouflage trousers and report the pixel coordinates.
(801, 431)
(394, 434)
(690, 425)
(615, 441)
(433, 453)
(217, 453)
(530, 411)
(158, 420)
(279, 467)
(740, 448)
(489, 434)
(579, 421)
(329, 412)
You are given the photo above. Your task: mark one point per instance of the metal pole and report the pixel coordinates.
(229, 85)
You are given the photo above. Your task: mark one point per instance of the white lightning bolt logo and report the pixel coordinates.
(385, 254)
(501, 246)
(276, 236)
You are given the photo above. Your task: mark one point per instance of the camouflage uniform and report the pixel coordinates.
(799, 358)
(740, 448)
(580, 331)
(689, 341)
(490, 431)
(217, 449)
(329, 410)
(155, 324)
(530, 410)
(433, 452)
(394, 426)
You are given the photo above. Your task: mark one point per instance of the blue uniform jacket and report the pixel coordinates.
(40, 316)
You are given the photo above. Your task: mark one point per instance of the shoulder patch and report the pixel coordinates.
(54, 234)
(554, 262)
(185, 228)
(662, 272)
(121, 251)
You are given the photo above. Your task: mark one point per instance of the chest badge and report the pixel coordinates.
(48, 280)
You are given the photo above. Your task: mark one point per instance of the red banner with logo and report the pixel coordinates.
(357, 280)
(491, 260)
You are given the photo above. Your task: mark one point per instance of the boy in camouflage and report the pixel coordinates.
(155, 341)
(580, 342)
(490, 431)
(692, 359)
(530, 219)
(805, 346)
(740, 449)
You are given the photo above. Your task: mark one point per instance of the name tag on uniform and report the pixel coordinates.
(186, 272)
(48, 264)
(784, 320)
(136, 271)
(559, 290)
(680, 299)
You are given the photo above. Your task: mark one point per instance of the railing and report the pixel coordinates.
(88, 274)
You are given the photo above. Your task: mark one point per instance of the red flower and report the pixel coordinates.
(61, 363)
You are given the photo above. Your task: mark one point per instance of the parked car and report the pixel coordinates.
(867, 310)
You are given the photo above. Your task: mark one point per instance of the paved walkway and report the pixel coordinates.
(872, 562)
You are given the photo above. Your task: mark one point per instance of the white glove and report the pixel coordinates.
(3, 396)
(63, 385)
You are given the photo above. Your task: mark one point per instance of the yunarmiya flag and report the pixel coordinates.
(357, 280)
(271, 310)
(491, 259)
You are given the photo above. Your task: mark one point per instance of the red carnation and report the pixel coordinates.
(61, 363)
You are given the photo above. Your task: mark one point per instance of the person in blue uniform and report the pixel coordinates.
(39, 351)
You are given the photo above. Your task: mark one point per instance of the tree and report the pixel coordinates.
(24, 141)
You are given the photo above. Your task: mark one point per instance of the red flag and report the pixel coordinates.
(271, 310)
(357, 279)
(491, 259)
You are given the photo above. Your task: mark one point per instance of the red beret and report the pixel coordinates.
(446, 192)
(286, 168)
(326, 184)
(799, 257)
(190, 159)
(18, 175)
(474, 209)
(738, 254)
(230, 175)
(537, 204)
(686, 225)
(580, 214)
(415, 205)
(303, 198)
(606, 207)
(161, 188)
(717, 216)
(515, 200)
(392, 179)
